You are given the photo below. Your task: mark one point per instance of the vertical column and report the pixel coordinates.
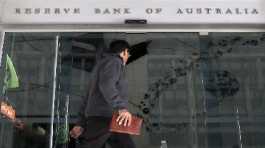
(210, 101)
(54, 89)
(203, 76)
(2, 35)
(63, 94)
(206, 69)
(1, 51)
(192, 107)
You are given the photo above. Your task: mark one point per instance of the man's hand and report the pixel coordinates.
(76, 131)
(19, 124)
(124, 117)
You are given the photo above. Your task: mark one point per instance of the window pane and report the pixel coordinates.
(193, 91)
(32, 55)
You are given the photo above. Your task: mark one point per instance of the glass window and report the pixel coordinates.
(193, 91)
(32, 56)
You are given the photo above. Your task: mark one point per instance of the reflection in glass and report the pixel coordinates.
(192, 91)
(33, 57)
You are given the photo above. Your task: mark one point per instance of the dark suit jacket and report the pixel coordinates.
(108, 90)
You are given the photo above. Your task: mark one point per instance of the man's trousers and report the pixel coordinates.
(96, 135)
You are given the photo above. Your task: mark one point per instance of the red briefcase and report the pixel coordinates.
(133, 129)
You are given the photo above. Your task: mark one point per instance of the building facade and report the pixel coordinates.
(196, 76)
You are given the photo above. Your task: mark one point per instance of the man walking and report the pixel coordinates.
(108, 93)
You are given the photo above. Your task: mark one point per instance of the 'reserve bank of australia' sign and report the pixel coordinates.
(116, 11)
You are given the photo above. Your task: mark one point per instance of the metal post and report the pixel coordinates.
(239, 128)
(192, 106)
(203, 75)
(54, 89)
(2, 38)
